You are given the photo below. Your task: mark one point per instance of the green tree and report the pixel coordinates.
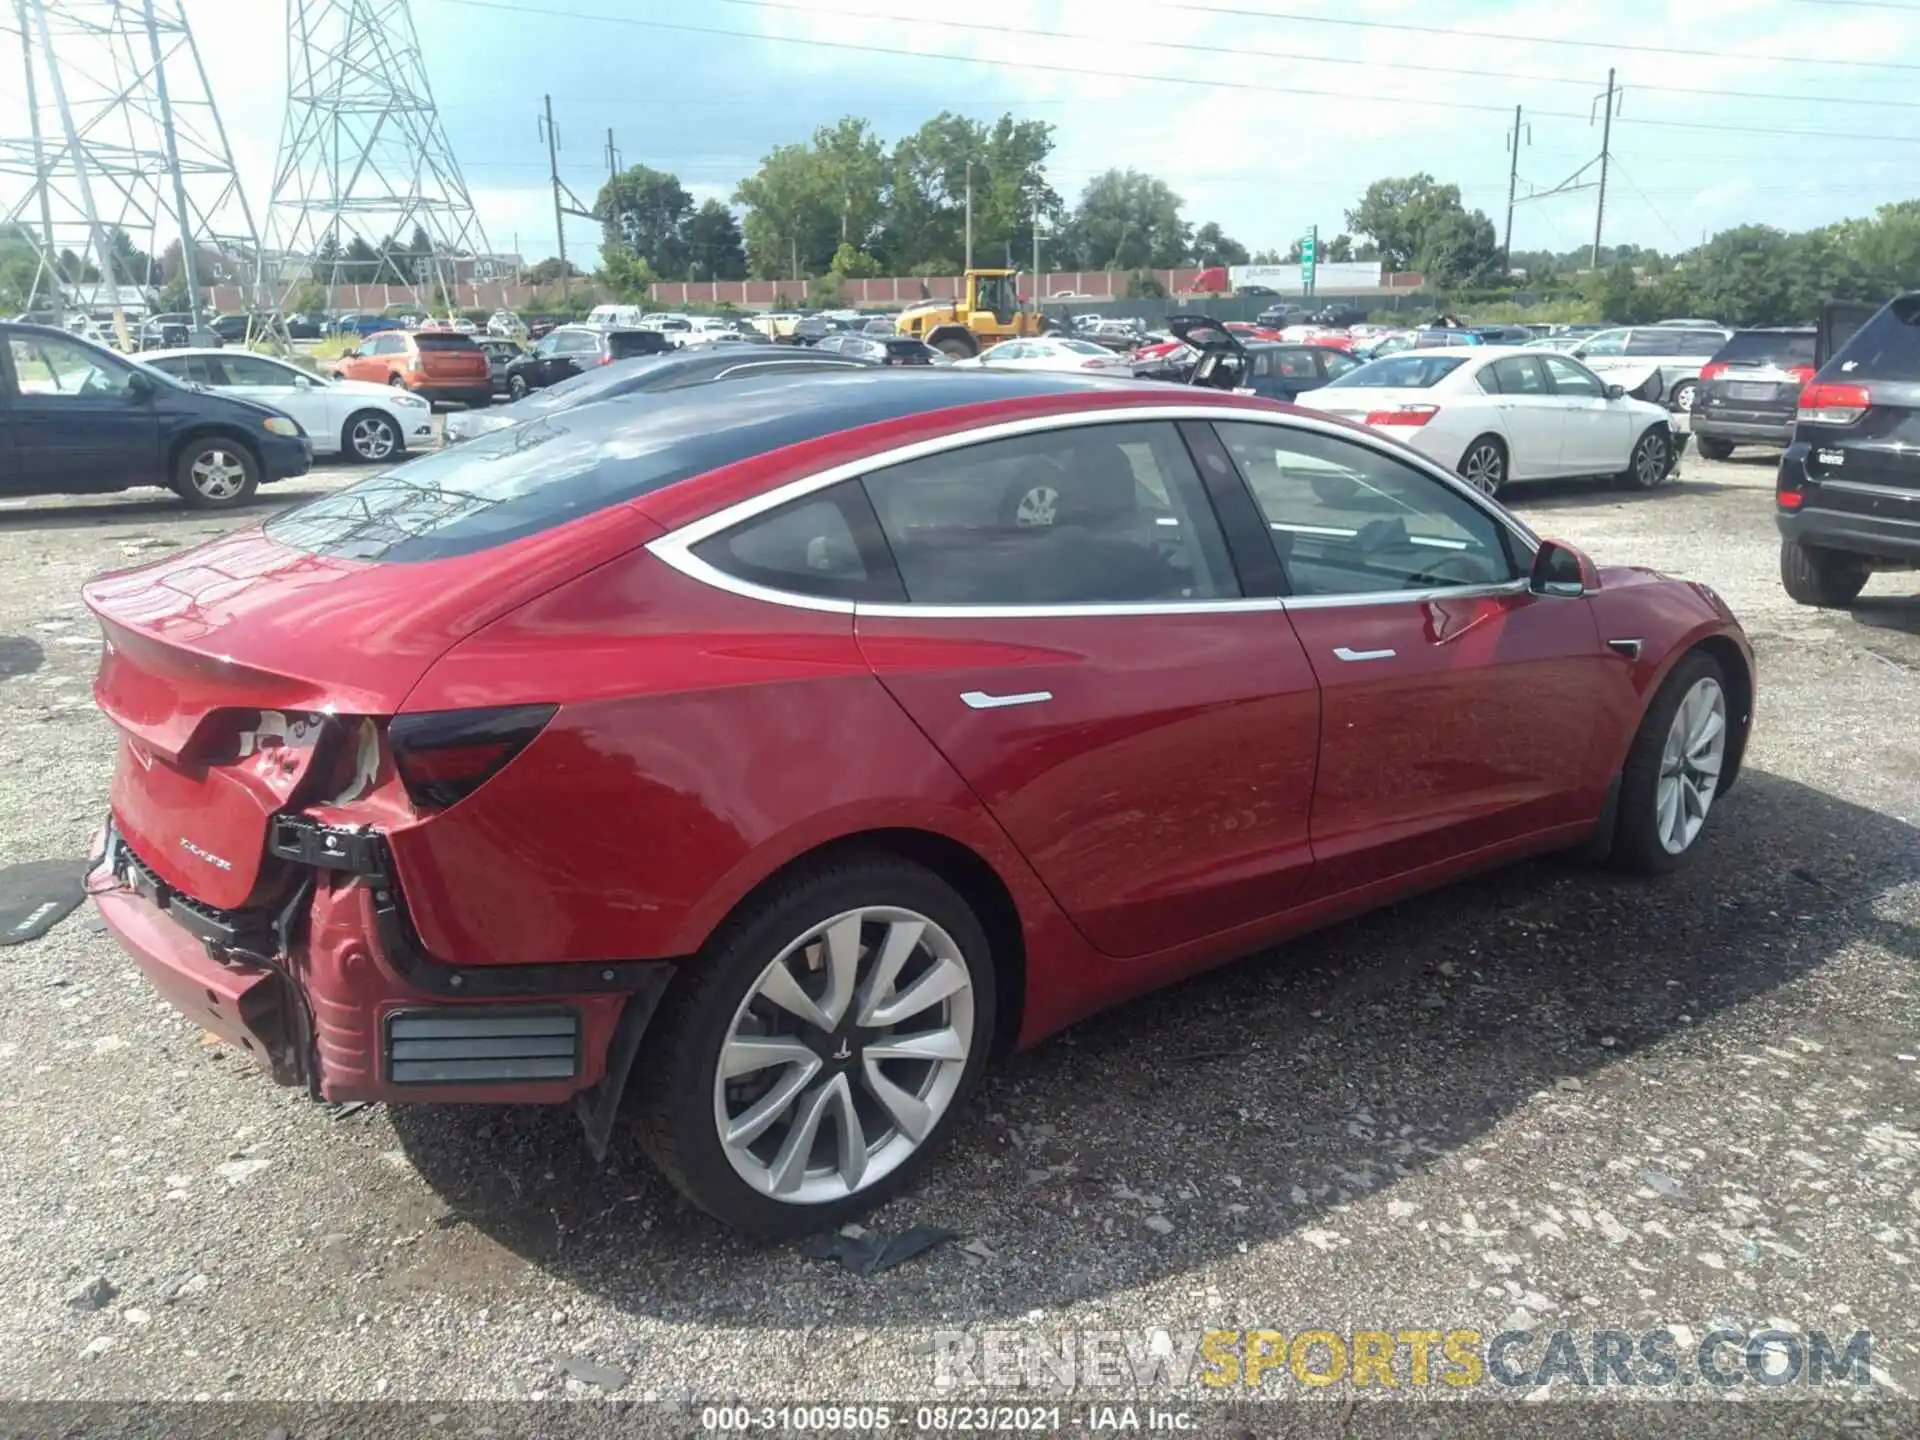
(806, 199)
(642, 212)
(1395, 215)
(852, 264)
(1142, 286)
(627, 277)
(549, 271)
(1127, 221)
(1211, 246)
(1458, 249)
(925, 216)
(714, 248)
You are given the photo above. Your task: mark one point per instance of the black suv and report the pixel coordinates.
(570, 350)
(1748, 393)
(1847, 500)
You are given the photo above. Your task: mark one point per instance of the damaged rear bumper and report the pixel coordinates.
(329, 989)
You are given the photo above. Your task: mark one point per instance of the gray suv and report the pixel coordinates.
(1679, 350)
(1750, 391)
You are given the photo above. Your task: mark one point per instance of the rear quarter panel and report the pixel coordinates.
(703, 741)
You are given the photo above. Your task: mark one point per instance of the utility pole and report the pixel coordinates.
(103, 252)
(1606, 147)
(173, 167)
(970, 214)
(613, 164)
(49, 252)
(552, 137)
(1036, 262)
(1513, 180)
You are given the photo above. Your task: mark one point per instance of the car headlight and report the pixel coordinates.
(281, 425)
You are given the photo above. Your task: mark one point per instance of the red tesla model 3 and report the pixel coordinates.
(757, 759)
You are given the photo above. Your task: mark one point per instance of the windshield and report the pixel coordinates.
(1399, 372)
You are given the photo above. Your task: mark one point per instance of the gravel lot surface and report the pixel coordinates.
(1547, 1099)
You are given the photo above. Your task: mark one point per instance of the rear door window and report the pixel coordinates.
(1088, 515)
(825, 545)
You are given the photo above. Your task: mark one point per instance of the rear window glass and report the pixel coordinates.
(1762, 347)
(541, 473)
(436, 340)
(1399, 372)
(826, 544)
(1887, 347)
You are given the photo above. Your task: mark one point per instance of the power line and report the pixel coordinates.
(1800, 61)
(1241, 52)
(549, 13)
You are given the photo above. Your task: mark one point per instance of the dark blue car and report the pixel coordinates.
(76, 418)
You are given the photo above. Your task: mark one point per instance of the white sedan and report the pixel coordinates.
(355, 418)
(1051, 353)
(1497, 414)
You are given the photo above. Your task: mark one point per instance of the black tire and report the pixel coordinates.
(361, 434)
(1680, 401)
(1484, 463)
(198, 463)
(1650, 462)
(1820, 577)
(517, 387)
(672, 1095)
(1636, 837)
(1712, 449)
(397, 381)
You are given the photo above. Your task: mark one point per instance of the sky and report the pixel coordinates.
(1786, 112)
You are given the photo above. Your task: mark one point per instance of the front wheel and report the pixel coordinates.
(1814, 576)
(371, 437)
(955, 348)
(216, 474)
(517, 386)
(820, 1049)
(1650, 463)
(1672, 774)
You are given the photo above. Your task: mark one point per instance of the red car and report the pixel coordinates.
(770, 753)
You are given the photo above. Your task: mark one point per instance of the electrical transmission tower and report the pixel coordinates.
(124, 158)
(364, 161)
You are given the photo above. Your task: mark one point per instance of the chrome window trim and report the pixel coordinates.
(675, 548)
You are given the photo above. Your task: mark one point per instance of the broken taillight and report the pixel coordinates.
(445, 755)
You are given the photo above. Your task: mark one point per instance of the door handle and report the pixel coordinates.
(981, 700)
(1343, 653)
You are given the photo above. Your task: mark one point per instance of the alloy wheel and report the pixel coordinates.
(1690, 764)
(372, 438)
(1682, 397)
(844, 1055)
(1484, 468)
(1038, 506)
(1649, 461)
(218, 474)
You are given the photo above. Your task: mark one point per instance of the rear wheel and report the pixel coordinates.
(821, 1048)
(371, 437)
(517, 386)
(1650, 463)
(1484, 466)
(216, 474)
(1672, 774)
(1814, 576)
(1681, 400)
(954, 348)
(1712, 449)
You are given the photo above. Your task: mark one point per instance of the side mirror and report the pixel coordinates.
(1614, 392)
(139, 387)
(1559, 569)
(353, 354)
